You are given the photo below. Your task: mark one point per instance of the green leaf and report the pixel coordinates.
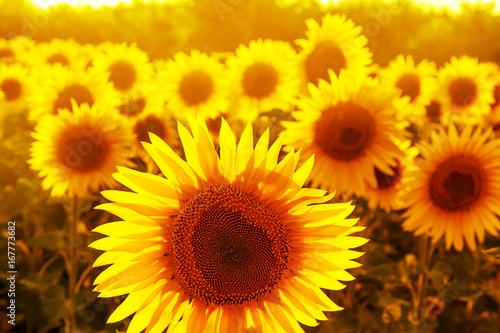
(488, 325)
(470, 294)
(32, 307)
(55, 304)
(40, 282)
(438, 273)
(494, 251)
(392, 313)
(32, 290)
(51, 240)
(493, 293)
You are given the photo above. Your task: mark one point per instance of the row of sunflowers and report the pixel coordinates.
(413, 146)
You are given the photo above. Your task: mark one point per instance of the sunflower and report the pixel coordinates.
(417, 84)
(337, 44)
(264, 76)
(60, 85)
(127, 67)
(465, 90)
(14, 87)
(146, 97)
(15, 50)
(454, 191)
(349, 125)
(493, 117)
(388, 195)
(225, 244)
(153, 119)
(78, 150)
(432, 120)
(66, 53)
(131, 107)
(434, 111)
(195, 84)
(7, 51)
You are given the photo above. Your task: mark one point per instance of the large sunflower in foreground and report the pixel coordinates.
(337, 44)
(465, 91)
(417, 84)
(228, 244)
(78, 150)
(195, 84)
(455, 190)
(265, 77)
(349, 126)
(59, 86)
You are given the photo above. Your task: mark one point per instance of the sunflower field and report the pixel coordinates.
(249, 166)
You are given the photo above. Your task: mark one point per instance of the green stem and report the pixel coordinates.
(424, 257)
(72, 261)
(82, 277)
(475, 275)
(49, 262)
(477, 260)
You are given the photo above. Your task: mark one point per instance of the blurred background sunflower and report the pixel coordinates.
(264, 76)
(337, 44)
(350, 127)
(127, 67)
(61, 86)
(466, 91)
(195, 84)
(417, 84)
(77, 150)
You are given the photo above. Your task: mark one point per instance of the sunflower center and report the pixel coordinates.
(83, 149)
(6, 53)
(260, 80)
(344, 131)
(196, 88)
(433, 110)
(496, 95)
(12, 89)
(228, 248)
(325, 56)
(385, 181)
(409, 85)
(79, 93)
(123, 75)
(457, 183)
(149, 124)
(58, 58)
(133, 107)
(462, 91)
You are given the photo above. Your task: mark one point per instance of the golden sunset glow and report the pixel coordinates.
(219, 166)
(453, 5)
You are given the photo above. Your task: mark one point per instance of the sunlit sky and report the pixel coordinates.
(452, 4)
